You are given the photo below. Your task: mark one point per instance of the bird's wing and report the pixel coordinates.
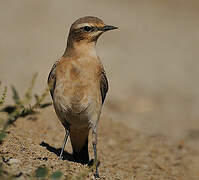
(52, 78)
(103, 85)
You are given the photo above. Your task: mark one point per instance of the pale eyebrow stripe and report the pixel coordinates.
(82, 25)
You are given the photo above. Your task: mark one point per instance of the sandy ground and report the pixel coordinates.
(123, 152)
(149, 128)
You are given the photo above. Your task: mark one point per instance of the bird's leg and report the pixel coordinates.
(64, 144)
(94, 142)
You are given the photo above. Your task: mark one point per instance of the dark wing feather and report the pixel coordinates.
(52, 78)
(103, 86)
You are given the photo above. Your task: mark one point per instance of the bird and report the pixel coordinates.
(78, 87)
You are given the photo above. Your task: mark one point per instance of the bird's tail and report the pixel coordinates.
(81, 155)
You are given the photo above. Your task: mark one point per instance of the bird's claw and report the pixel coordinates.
(96, 175)
(60, 157)
(94, 166)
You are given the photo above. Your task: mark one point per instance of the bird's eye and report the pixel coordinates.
(87, 28)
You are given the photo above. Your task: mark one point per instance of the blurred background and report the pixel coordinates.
(151, 60)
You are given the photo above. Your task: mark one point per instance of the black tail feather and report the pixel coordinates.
(82, 156)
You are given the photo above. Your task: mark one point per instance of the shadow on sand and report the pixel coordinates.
(66, 156)
(57, 151)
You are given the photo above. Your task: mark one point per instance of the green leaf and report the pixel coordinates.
(15, 96)
(2, 120)
(56, 175)
(28, 94)
(1, 170)
(2, 136)
(40, 99)
(36, 97)
(41, 172)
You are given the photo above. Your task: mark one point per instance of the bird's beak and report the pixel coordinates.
(108, 28)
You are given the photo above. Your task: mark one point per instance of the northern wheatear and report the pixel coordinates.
(78, 86)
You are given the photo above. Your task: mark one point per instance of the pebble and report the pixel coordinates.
(14, 161)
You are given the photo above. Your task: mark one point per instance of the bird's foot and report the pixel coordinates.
(96, 175)
(60, 157)
(93, 165)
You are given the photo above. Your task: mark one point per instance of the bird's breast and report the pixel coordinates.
(77, 88)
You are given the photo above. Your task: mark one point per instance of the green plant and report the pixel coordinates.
(43, 173)
(22, 107)
(56, 175)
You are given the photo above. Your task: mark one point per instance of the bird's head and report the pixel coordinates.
(87, 29)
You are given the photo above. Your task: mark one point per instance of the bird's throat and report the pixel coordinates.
(81, 48)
